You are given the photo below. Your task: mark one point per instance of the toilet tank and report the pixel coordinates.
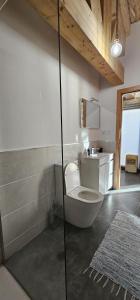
(72, 177)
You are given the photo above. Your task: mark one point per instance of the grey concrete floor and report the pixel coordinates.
(39, 266)
(128, 179)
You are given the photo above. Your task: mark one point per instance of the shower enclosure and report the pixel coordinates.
(31, 148)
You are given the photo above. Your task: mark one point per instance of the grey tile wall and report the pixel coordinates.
(27, 192)
(71, 151)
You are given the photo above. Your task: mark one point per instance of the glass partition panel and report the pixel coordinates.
(79, 81)
(31, 190)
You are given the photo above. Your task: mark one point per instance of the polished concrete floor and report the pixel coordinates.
(129, 179)
(39, 266)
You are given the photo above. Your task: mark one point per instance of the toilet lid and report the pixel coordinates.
(72, 177)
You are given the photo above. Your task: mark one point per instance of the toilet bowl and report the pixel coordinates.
(81, 204)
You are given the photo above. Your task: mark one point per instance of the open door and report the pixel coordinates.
(117, 164)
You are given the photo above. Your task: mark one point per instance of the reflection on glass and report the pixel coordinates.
(30, 129)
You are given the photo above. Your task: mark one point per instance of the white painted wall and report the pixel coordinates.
(79, 80)
(108, 95)
(29, 82)
(130, 134)
(29, 79)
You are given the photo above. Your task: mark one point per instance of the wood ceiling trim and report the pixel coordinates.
(82, 30)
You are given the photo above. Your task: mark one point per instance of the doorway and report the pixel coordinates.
(127, 116)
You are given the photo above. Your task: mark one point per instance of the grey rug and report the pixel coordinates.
(117, 260)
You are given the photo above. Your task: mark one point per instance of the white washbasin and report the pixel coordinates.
(101, 155)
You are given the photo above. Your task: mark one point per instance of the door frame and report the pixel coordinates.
(119, 110)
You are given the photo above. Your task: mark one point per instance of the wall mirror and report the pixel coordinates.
(90, 113)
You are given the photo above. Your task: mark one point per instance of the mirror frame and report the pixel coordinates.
(83, 112)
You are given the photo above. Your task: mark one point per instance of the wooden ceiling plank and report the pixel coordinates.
(79, 27)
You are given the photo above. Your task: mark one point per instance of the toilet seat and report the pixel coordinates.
(85, 195)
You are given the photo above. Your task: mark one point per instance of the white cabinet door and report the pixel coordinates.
(105, 177)
(97, 173)
(109, 177)
(110, 181)
(102, 179)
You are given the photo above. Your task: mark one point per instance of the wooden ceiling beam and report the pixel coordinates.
(121, 30)
(125, 15)
(96, 9)
(107, 21)
(113, 23)
(81, 29)
(134, 8)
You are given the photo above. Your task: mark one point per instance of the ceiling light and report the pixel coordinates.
(116, 48)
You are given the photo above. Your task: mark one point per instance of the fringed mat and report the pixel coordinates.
(118, 257)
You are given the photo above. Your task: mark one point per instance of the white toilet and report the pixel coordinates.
(81, 204)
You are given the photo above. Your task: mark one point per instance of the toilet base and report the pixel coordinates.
(81, 214)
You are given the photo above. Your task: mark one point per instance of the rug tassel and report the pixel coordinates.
(118, 291)
(99, 280)
(112, 289)
(133, 298)
(125, 295)
(91, 273)
(85, 271)
(106, 282)
(96, 275)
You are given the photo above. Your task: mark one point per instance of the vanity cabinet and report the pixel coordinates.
(97, 172)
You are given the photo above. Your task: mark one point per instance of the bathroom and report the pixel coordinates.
(44, 250)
